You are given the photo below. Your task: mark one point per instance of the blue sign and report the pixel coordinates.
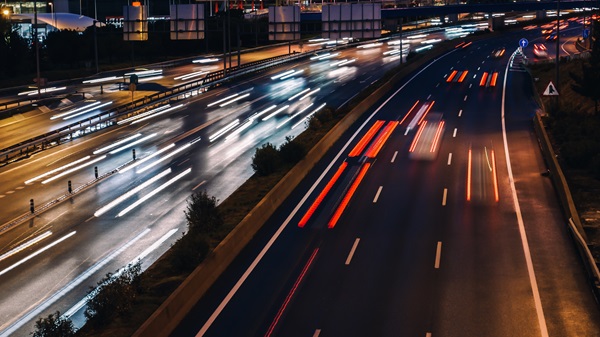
(523, 42)
(586, 33)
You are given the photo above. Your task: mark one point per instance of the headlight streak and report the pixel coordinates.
(190, 75)
(431, 41)
(235, 99)
(169, 155)
(130, 193)
(221, 100)
(424, 48)
(57, 169)
(256, 115)
(143, 114)
(240, 129)
(346, 62)
(308, 116)
(24, 246)
(370, 45)
(221, 132)
(324, 56)
(73, 169)
(397, 42)
(287, 72)
(145, 159)
(31, 256)
(298, 94)
(419, 36)
(336, 63)
(276, 112)
(293, 116)
(42, 91)
(100, 80)
(87, 110)
(113, 145)
(154, 192)
(75, 110)
(208, 60)
(144, 73)
(147, 79)
(126, 146)
(310, 93)
(495, 177)
(156, 114)
(292, 74)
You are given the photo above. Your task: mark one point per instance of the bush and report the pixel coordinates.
(578, 154)
(324, 115)
(291, 152)
(314, 123)
(266, 160)
(54, 326)
(202, 214)
(188, 252)
(113, 296)
(411, 55)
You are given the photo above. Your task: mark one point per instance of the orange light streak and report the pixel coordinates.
(483, 79)
(426, 112)
(466, 45)
(338, 212)
(494, 78)
(437, 137)
(462, 76)
(322, 195)
(469, 177)
(409, 111)
(460, 44)
(383, 137)
(417, 136)
(496, 193)
(451, 77)
(366, 139)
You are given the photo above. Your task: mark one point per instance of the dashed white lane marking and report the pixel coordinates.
(438, 255)
(449, 158)
(460, 113)
(377, 194)
(444, 197)
(394, 157)
(465, 98)
(454, 134)
(352, 251)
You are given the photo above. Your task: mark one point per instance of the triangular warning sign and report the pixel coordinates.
(551, 90)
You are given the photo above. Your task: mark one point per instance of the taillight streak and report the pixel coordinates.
(409, 111)
(495, 177)
(338, 212)
(462, 76)
(417, 136)
(494, 79)
(322, 195)
(451, 77)
(436, 139)
(383, 137)
(483, 79)
(358, 148)
(426, 112)
(469, 176)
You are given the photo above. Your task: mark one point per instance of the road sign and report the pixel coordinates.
(550, 90)
(523, 42)
(586, 33)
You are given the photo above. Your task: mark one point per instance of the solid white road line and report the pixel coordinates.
(449, 158)
(377, 194)
(394, 157)
(444, 197)
(534, 287)
(438, 255)
(351, 254)
(262, 253)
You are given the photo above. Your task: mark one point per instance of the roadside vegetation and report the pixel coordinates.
(574, 129)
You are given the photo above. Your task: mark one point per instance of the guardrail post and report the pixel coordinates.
(133, 153)
(96, 171)
(31, 208)
(69, 187)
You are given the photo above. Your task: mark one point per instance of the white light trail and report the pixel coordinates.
(293, 116)
(370, 45)
(276, 112)
(132, 144)
(31, 256)
(25, 245)
(346, 62)
(57, 169)
(190, 75)
(130, 193)
(144, 114)
(256, 115)
(75, 110)
(223, 130)
(287, 72)
(310, 93)
(333, 64)
(292, 74)
(100, 80)
(73, 170)
(169, 155)
(208, 60)
(140, 162)
(324, 56)
(235, 99)
(148, 79)
(154, 192)
(221, 100)
(113, 145)
(429, 46)
(156, 114)
(298, 94)
(42, 91)
(87, 110)
(144, 73)
(418, 36)
(308, 116)
(240, 129)
(431, 41)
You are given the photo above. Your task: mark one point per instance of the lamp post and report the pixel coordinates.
(37, 49)
(53, 15)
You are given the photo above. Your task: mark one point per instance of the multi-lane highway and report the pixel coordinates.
(466, 240)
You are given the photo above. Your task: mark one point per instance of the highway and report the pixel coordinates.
(467, 241)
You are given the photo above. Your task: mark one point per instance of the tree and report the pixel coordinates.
(291, 151)
(202, 213)
(114, 295)
(586, 84)
(54, 326)
(266, 160)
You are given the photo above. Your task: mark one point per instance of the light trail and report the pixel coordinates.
(310, 93)
(145, 159)
(276, 112)
(130, 193)
(126, 146)
(221, 132)
(293, 116)
(240, 129)
(298, 94)
(234, 100)
(73, 169)
(256, 115)
(57, 169)
(221, 100)
(154, 192)
(87, 110)
(74, 110)
(308, 116)
(169, 155)
(113, 145)
(24, 246)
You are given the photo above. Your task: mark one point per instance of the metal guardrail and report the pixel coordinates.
(588, 254)
(110, 117)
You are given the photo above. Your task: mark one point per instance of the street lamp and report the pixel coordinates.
(53, 16)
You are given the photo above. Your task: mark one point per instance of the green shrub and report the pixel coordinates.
(202, 214)
(578, 154)
(291, 152)
(188, 252)
(266, 160)
(54, 326)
